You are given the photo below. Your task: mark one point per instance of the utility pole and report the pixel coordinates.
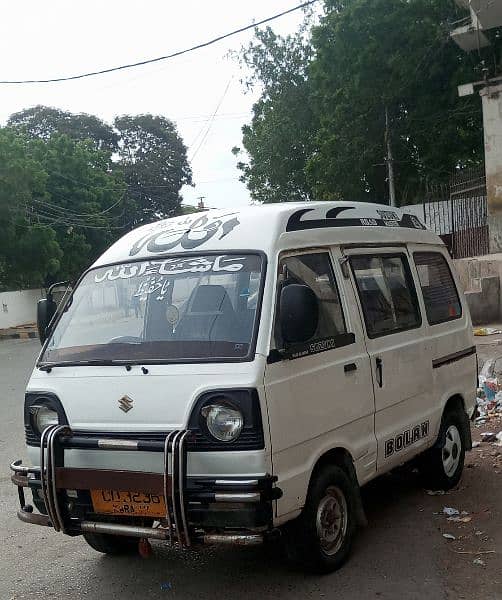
(390, 161)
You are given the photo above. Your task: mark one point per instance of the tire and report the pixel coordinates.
(441, 466)
(320, 540)
(114, 545)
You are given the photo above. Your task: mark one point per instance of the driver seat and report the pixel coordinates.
(209, 316)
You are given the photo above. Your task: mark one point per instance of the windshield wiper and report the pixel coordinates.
(48, 366)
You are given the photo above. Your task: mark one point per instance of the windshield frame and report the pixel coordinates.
(44, 365)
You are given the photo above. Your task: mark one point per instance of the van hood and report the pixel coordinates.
(160, 399)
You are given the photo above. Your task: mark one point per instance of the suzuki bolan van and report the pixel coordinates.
(234, 376)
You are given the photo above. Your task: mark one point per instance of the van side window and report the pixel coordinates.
(315, 270)
(387, 293)
(441, 299)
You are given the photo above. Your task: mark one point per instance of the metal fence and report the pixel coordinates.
(457, 211)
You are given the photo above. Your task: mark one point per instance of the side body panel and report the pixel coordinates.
(456, 377)
(403, 391)
(315, 405)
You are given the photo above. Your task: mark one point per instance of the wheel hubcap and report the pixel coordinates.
(331, 520)
(451, 450)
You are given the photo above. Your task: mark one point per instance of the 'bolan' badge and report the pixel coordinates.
(125, 403)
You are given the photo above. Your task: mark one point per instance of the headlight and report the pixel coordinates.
(224, 422)
(43, 416)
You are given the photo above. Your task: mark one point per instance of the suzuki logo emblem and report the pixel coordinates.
(125, 403)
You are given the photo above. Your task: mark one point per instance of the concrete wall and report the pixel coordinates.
(480, 279)
(19, 308)
(485, 305)
(492, 122)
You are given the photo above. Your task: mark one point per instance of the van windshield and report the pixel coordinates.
(169, 309)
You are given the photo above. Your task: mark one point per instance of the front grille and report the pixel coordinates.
(248, 439)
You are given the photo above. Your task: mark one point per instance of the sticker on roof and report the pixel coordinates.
(187, 233)
(387, 218)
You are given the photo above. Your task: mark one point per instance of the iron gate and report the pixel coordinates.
(458, 213)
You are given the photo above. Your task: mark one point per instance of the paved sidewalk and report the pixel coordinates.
(22, 332)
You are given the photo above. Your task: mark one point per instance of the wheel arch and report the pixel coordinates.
(341, 457)
(456, 403)
(335, 456)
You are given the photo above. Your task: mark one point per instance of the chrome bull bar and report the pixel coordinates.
(48, 475)
(174, 477)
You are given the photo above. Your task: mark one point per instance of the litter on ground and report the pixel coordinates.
(482, 331)
(459, 519)
(489, 395)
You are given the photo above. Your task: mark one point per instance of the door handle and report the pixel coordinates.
(379, 371)
(350, 367)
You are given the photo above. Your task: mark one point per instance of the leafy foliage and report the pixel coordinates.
(59, 208)
(86, 205)
(279, 138)
(70, 185)
(28, 251)
(153, 160)
(318, 129)
(42, 122)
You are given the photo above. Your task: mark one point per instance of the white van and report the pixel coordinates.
(235, 375)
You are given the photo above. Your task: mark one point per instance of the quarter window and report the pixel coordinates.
(387, 293)
(315, 270)
(441, 299)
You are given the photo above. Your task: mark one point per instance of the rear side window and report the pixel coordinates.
(387, 293)
(441, 299)
(315, 270)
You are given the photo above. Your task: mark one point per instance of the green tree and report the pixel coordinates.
(374, 56)
(85, 205)
(279, 139)
(44, 121)
(29, 251)
(153, 160)
(319, 125)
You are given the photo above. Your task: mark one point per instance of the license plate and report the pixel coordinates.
(128, 503)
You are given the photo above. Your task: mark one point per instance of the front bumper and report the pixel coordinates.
(226, 509)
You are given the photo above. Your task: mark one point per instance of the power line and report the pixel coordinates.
(167, 56)
(77, 217)
(210, 122)
(52, 219)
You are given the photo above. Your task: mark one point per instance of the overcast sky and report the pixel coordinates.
(48, 39)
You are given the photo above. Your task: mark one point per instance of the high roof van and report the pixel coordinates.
(235, 376)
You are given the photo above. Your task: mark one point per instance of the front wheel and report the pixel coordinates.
(321, 538)
(442, 465)
(114, 545)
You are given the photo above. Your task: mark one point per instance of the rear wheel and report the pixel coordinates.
(112, 544)
(321, 538)
(441, 466)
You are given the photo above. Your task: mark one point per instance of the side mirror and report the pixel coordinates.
(46, 309)
(299, 313)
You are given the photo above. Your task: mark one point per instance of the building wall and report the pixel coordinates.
(480, 278)
(492, 120)
(19, 308)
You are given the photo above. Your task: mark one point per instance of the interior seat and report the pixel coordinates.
(209, 316)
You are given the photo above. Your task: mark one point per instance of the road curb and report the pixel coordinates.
(22, 335)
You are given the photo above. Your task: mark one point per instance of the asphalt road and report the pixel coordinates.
(402, 554)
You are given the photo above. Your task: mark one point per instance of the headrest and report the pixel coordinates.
(210, 299)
